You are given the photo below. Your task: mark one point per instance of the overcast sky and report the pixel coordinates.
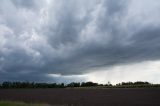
(80, 40)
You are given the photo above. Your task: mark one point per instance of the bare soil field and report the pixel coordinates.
(85, 97)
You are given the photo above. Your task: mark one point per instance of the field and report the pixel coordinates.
(84, 97)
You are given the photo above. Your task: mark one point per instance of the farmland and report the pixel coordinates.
(85, 97)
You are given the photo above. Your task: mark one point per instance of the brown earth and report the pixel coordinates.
(85, 97)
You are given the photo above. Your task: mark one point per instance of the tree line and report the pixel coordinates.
(137, 84)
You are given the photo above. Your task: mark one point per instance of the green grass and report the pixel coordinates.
(8, 103)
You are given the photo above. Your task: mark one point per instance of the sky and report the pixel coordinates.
(80, 40)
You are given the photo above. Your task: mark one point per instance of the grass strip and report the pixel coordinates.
(9, 103)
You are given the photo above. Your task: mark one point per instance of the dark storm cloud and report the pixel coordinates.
(38, 38)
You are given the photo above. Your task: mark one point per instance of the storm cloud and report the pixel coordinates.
(72, 37)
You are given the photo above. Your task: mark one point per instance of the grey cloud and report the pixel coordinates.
(25, 77)
(29, 4)
(68, 24)
(24, 3)
(72, 37)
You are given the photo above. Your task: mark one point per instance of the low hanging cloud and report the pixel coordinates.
(44, 37)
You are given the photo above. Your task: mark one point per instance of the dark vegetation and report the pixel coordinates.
(138, 84)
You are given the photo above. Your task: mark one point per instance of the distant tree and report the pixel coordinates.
(137, 84)
(88, 84)
(141, 83)
(6, 84)
(62, 85)
(73, 84)
(108, 84)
